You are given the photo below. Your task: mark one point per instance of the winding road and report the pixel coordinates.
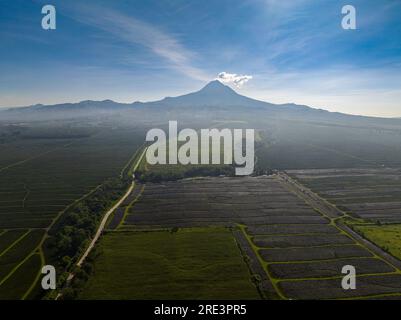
(103, 224)
(104, 221)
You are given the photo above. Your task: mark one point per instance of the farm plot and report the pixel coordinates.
(301, 241)
(220, 201)
(315, 253)
(285, 229)
(8, 239)
(387, 237)
(17, 253)
(38, 184)
(15, 287)
(310, 252)
(297, 256)
(284, 239)
(327, 268)
(367, 286)
(188, 264)
(372, 194)
(307, 145)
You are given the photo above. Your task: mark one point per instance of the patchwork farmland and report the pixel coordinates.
(39, 178)
(371, 194)
(266, 237)
(219, 201)
(294, 244)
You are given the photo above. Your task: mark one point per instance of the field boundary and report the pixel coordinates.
(14, 243)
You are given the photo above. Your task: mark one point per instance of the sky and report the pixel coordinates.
(279, 51)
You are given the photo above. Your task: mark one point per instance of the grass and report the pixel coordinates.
(37, 186)
(387, 237)
(15, 287)
(40, 178)
(9, 239)
(18, 252)
(200, 263)
(176, 171)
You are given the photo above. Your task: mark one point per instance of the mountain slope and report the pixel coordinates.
(214, 94)
(213, 99)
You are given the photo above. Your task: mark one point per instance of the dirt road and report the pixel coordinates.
(335, 215)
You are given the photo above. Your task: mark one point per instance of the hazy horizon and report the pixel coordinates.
(143, 101)
(275, 51)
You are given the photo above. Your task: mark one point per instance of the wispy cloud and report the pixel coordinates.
(233, 78)
(137, 32)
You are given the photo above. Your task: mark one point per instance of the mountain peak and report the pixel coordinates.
(216, 86)
(214, 93)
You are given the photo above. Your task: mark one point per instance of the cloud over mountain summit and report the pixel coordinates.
(233, 78)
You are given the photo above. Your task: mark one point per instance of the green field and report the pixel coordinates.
(387, 237)
(43, 170)
(321, 145)
(201, 263)
(165, 172)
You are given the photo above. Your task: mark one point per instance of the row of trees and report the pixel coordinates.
(69, 238)
(194, 171)
(189, 172)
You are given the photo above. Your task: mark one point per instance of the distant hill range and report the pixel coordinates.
(215, 97)
(214, 94)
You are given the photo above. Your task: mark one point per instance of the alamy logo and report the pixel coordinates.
(349, 20)
(209, 147)
(349, 280)
(49, 278)
(49, 20)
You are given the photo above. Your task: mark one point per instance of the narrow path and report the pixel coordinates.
(103, 224)
(38, 275)
(13, 244)
(377, 250)
(136, 195)
(104, 221)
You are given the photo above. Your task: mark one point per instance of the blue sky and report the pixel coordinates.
(294, 50)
